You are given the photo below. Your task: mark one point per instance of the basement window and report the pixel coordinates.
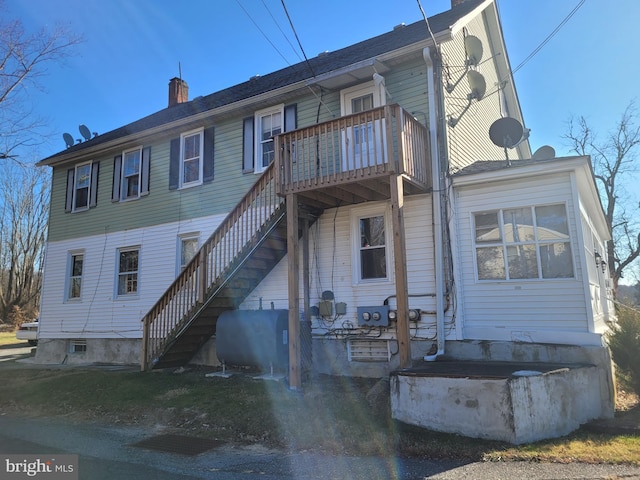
(368, 351)
(78, 346)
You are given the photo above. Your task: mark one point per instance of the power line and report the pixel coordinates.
(263, 34)
(297, 38)
(550, 36)
(281, 31)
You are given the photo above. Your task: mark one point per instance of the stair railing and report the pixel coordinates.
(221, 250)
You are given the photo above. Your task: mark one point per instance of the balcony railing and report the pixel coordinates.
(353, 148)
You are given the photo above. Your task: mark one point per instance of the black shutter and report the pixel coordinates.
(68, 202)
(247, 145)
(290, 117)
(207, 166)
(117, 170)
(95, 170)
(174, 164)
(145, 170)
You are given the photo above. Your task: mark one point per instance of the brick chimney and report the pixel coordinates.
(178, 91)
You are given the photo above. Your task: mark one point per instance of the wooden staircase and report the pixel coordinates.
(239, 254)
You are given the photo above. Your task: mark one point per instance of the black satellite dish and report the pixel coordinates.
(506, 133)
(68, 139)
(85, 132)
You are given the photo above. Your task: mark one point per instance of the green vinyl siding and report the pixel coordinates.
(161, 205)
(406, 84)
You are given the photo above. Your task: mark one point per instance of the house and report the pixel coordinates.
(372, 196)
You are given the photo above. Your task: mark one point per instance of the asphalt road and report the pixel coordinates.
(108, 452)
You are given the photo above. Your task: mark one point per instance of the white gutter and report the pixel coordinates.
(436, 208)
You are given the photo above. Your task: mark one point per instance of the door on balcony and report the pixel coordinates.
(364, 141)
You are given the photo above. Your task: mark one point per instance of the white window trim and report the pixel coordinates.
(364, 212)
(75, 190)
(123, 180)
(124, 296)
(257, 155)
(195, 183)
(347, 94)
(67, 282)
(504, 244)
(181, 238)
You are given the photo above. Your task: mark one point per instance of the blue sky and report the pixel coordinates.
(133, 47)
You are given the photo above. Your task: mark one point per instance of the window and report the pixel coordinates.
(76, 261)
(191, 159)
(188, 247)
(131, 173)
(82, 187)
(269, 123)
(128, 262)
(77, 346)
(523, 243)
(370, 244)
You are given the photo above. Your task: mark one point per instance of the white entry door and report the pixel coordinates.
(363, 145)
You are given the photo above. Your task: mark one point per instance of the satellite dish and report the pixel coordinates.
(473, 47)
(544, 153)
(85, 132)
(477, 84)
(68, 139)
(505, 132)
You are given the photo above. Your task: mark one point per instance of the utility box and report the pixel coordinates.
(377, 316)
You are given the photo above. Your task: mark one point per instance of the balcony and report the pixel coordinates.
(349, 160)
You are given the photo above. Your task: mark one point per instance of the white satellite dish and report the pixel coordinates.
(545, 152)
(477, 84)
(473, 47)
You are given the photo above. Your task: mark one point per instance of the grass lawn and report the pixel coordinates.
(330, 414)
(8, 338)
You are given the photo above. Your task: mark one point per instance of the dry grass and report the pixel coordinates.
(330, 414)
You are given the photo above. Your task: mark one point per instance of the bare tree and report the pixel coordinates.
(23, 60)
(614, 159)
(24, 197)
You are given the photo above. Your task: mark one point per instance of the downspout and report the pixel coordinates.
(436, 207)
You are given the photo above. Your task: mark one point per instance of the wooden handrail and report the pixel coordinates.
(376, 142)
(226, 244)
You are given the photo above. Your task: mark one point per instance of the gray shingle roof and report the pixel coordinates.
(331, 61)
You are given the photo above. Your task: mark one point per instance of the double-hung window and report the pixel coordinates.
(188, 247)
(191, 148)
(82, 187)
(74, 283)
(128, 271)
(269, 123)
(523, 243)
(370, 245)
(131, 177)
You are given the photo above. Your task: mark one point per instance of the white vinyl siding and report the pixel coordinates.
(101, 314)
(331, 266)
(552, 310)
